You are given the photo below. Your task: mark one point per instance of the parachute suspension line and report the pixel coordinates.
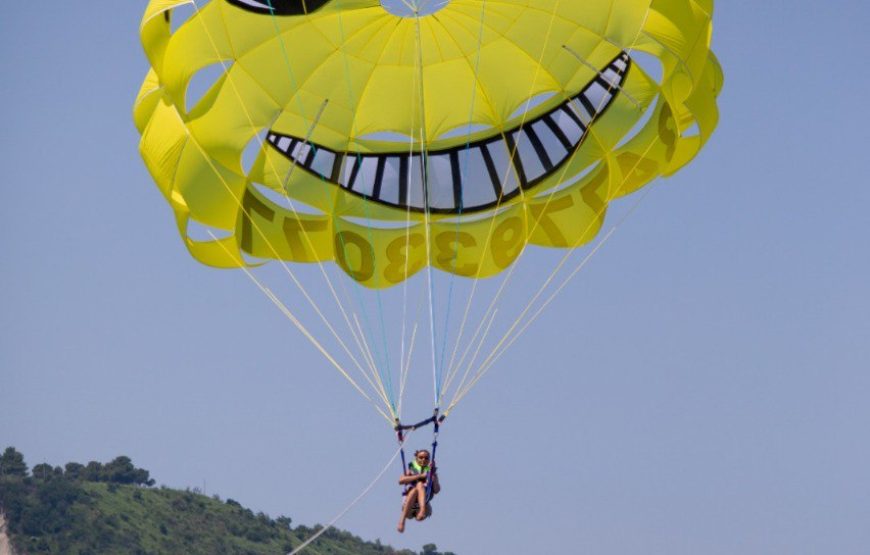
(405, 362)
(385, 370)
(454, 369)
(367, 353)
(420, 5)
(549, 198)
(495, 353)
(424, 159)
(285, 183)
(363, 343)
(567, 256)
(495, 212)
(283, 308)
(271, 247)
(600, 74)
(479, 345)
(464, 174)
(405, 367)
(493, 357)
(301, 327)
(263, 146)
(298, 324)
(382, 369)
(353, 503)
(488, 314)
(503, 286)
(410, 6)
(386, 353)
(436, 425)
(371, 361)
(364, 347)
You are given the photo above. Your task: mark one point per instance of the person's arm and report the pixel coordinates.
(411, 478)
(436, 485)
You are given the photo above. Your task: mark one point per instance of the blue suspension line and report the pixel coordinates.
(292, 76)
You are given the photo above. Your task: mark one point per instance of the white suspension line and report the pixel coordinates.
(424, 160)
(474, 88)
(471, 364)
(322, 349)
(362, 343)
(386, 352)
(487, 364)
(305, 234)
(600, 74)
(549, 198)
(495, 210)
(405, 366)
(301, 327)
(371, 361)
(493, 357)
(356, 500)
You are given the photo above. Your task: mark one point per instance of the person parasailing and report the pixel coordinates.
(420, 477)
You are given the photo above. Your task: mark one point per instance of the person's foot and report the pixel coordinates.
(421, 515)
(401, 527)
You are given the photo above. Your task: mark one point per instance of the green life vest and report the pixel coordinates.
(417, 469)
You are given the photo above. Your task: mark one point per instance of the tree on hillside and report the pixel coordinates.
(122, 471)
(12, 463)
(92, 471)
(432, 549)
(45, 471)
(74, 470)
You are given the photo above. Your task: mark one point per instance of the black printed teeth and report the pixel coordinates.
(279, 7)
(466, 178)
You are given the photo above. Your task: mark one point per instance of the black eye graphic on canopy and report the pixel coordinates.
(280, 7)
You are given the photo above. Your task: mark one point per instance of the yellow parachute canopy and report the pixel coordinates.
(387, 143)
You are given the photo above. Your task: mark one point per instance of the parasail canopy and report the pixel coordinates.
(393, 137)
(490, 124)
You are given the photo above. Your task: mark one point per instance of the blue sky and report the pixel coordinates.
(701, 387)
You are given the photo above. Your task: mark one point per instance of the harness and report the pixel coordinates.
(400, 428)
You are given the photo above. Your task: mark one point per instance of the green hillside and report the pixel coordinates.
(97, 509)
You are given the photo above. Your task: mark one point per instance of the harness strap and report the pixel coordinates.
(429, 480)
(434, 419)
(401, 437)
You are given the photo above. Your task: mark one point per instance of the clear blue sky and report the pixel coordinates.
(701, 388)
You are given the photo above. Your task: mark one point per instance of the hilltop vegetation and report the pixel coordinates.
(99, 508)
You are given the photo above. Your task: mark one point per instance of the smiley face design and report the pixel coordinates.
(388, 136)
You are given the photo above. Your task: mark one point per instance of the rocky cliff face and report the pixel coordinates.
(5, 545)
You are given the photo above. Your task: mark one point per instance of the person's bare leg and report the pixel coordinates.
(420, 490)
(406, 510)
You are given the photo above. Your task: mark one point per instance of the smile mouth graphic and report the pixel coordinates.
(470, 177)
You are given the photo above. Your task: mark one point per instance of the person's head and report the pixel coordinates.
(422, 457)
